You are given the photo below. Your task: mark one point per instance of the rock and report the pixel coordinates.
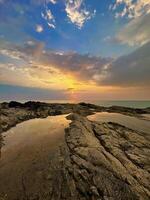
(14, 104)
(103, 161)
(94, 191)
(16, 112)
(98, 161)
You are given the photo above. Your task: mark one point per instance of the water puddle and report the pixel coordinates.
(130, 122)
(27, 152)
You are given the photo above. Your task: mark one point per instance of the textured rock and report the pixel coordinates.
(14, 112)
(103, 161)
(98, 161)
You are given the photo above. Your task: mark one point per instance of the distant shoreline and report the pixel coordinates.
(106, 103)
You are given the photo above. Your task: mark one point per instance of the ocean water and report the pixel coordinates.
(133, 104)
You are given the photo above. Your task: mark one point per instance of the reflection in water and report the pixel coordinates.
(27, 152)
(130, 122)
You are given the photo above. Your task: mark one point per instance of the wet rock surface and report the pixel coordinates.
(104, 161)
(101, 161)
(97, 161)
(13, 112)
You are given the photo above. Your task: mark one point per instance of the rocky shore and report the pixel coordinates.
(100, 161)
(97, 161)
(104, 161)
(14, 112)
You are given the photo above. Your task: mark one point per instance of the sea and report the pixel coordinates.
(106, 103)
(133, 104)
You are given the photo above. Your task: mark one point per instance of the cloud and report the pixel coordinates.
(131, 8)
(39, 28)
(41, 2)
(136, 32)
(129, 70)
(53, 1)
(12, 54)
(48, 16)
(2, 1)
(77, 13)
(51, 25)
(41, 63)
(83, 67)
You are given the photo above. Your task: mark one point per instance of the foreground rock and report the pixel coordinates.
(97, 161)
(102, 161)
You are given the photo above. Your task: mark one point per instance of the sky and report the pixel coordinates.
(74, 50)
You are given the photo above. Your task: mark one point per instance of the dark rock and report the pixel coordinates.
(15, 104)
